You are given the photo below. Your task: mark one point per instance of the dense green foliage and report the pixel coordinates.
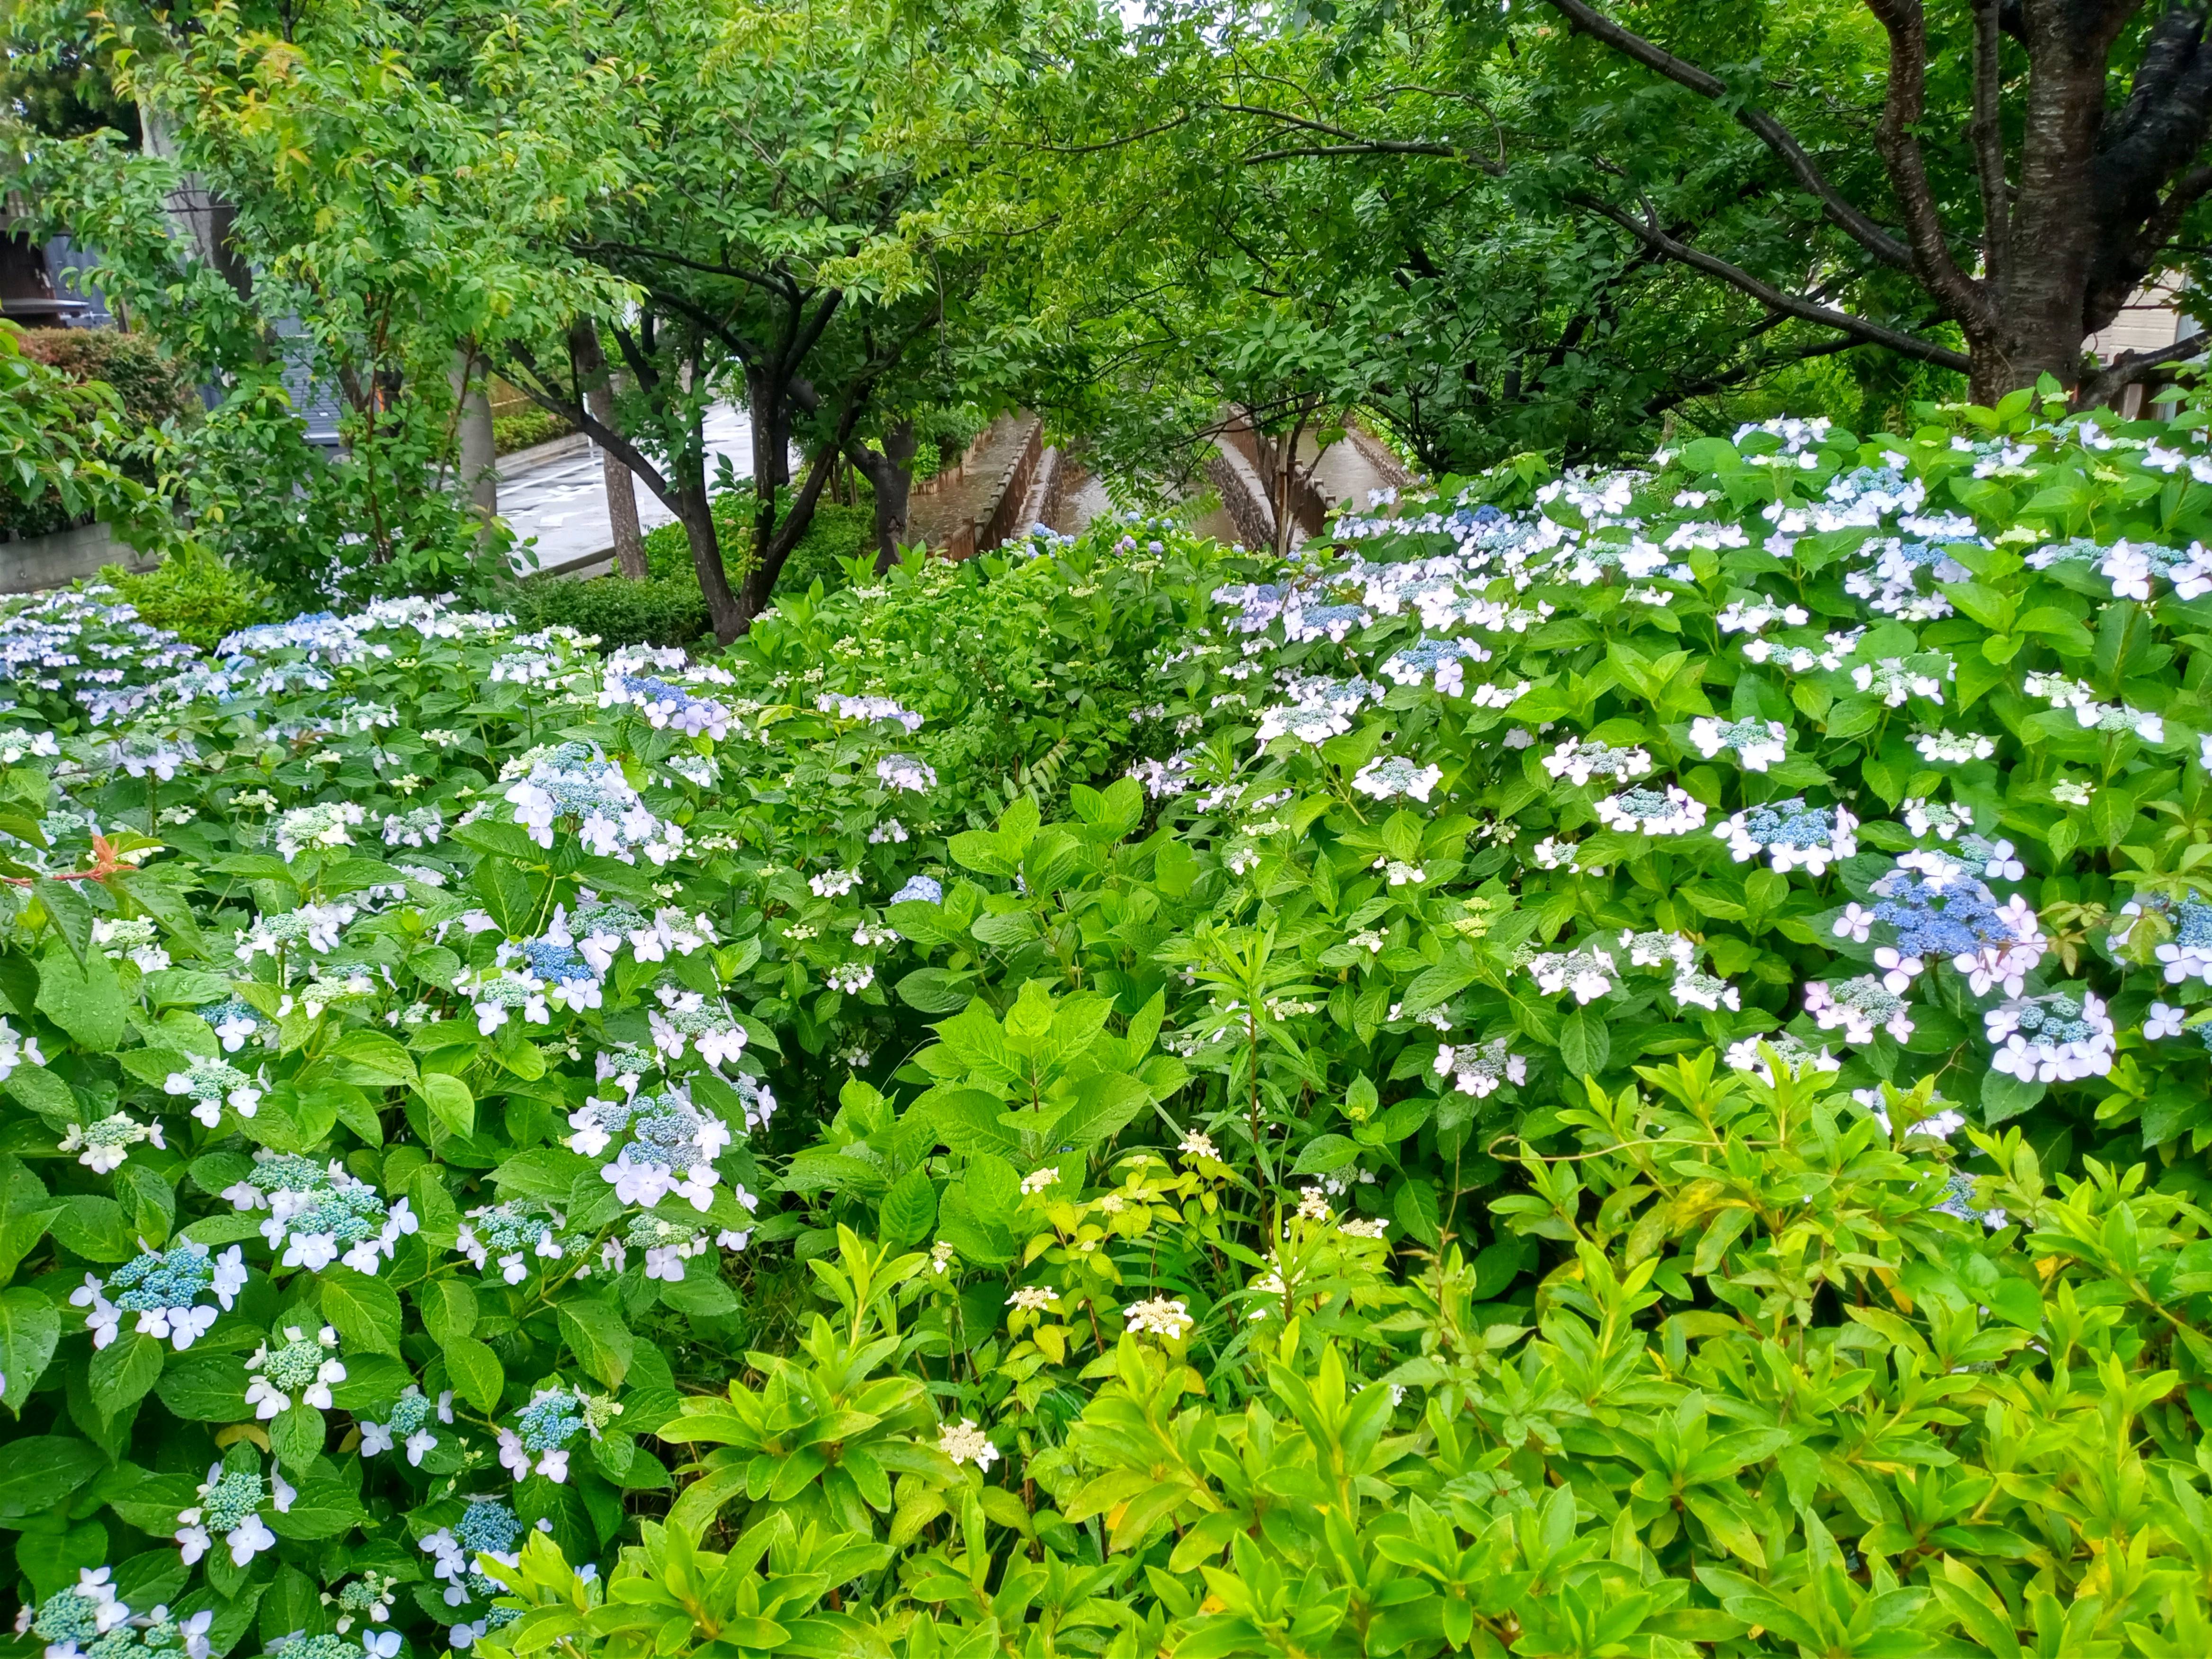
(525, 428)
(836, 533)
(194, 595)
(1523, 1124)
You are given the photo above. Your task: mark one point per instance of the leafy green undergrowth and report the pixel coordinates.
(1604, 1065)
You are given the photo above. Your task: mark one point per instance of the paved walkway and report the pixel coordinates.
(936, 518)
(556, 495)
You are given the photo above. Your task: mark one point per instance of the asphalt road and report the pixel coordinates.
(554, 495)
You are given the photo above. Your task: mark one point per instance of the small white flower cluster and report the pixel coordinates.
(2060, 1037)
(16, 1049)
(102, 1146)
(1797, 1057)
(686, 1016)
(1668, 811)
(323, 827)
(320, 1213)
(1946, 749)
(1588, 971)
(300, 1367)
(1893, 679)
(1757, 744)
(1578, 760)
(1165, 1316)
(136, 937)
(1793, 835)
(230, 1505)
(2091, 715)
(570, 783)
(318, 927)
(1482, 1069)
(867, 709)
(1857, 1007)
(1392, 778)
(669, 1146)
(966, 1443)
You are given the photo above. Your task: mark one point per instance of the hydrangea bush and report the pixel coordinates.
(1601, 1064)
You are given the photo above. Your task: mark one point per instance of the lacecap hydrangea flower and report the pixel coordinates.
(163, 1288)
(229, 1507)
(299, 1369)
(1792, 833)
(407, 1423)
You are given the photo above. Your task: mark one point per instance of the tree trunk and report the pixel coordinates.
(695, 511)
(204, 219)
(598, 391)
(479, 463)
(2043, 311)
(771, 423)
(890, 474)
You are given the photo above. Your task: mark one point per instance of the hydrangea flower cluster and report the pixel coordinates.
(2059, 1037)
(103, 1146)
(1441, 663)
(1856, 1007)
(319, 1215)
(212, 1084)
(1588, 971)
(867, 709)
(1757, 744)
(1668, 811)
(323, 827)
(1482, 1069)
(664, 705)
(229, 1507)
(571, 783)
(906, 774)
(1393, 778)
(669, 1146)
(538, 1439)
(88, 1620)
(407, 1423)
(163, 1288)
(686, 1016)
(1578, 760)
(299, 1369)
(1936, 908)
(487, 1527)
(1793, 835)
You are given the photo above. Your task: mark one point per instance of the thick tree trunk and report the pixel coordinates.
(2042, 311)
(597, 387)
(479, 460)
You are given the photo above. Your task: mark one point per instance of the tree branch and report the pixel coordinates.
(520, 369)
(1647, 231)
(1778, 138)
(2126, 369)
(1903, 108)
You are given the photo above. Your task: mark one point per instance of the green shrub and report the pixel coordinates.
(193, 594)
(619, 611)
(526, 429)
(1624, 1077)
(836, 533)
(153, 388)
(146, 389)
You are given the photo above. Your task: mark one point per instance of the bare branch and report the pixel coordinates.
(1648, 232)
(2126, 369)
(1778, 138)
